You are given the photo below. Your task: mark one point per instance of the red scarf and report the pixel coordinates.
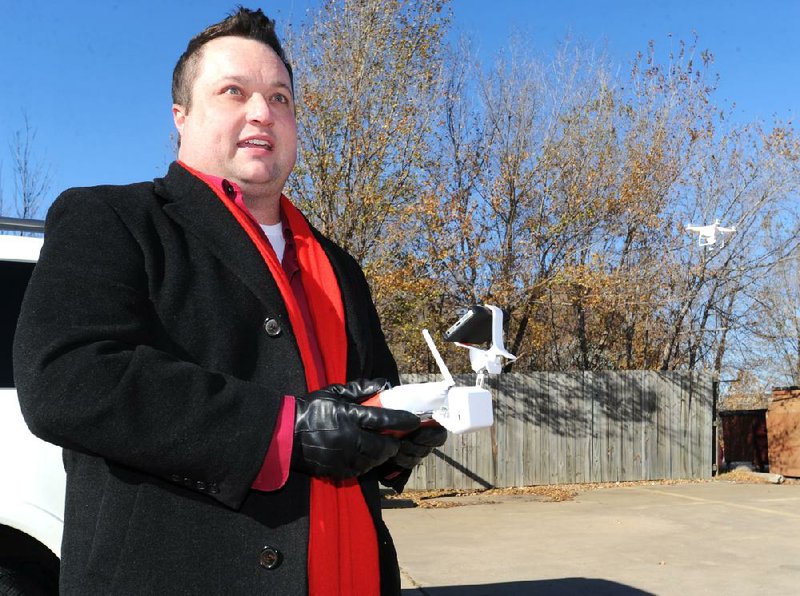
(342, 542)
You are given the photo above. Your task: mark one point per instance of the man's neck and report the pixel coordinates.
(266, 210)
(264, 207)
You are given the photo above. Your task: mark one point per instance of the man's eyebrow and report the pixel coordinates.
(285, 86)
(244, 80)
(235, 78)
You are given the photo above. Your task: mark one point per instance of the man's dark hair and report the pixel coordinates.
(246, 23)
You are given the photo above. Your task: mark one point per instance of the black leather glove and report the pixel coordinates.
(416, 446)
(337, 438)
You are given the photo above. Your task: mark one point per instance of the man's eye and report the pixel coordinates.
(280, 98)
(232, 90)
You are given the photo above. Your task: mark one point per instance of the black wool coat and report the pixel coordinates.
(142, 349)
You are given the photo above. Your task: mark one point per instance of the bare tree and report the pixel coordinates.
(366, 82)
(367, 77)
(772, 356)
(32, 178)
(783, 309)
(745, 178)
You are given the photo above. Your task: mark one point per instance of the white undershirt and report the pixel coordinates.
(274, 234)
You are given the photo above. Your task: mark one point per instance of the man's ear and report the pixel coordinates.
(179, 116)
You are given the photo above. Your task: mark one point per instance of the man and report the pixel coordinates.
(200, 353)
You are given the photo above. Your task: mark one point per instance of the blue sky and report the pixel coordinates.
(94, 76)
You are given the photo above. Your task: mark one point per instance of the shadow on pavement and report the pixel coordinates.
(568, 586)
(397, 504)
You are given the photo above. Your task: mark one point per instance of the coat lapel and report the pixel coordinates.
(196, 208)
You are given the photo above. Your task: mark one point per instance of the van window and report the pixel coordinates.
(13, 281)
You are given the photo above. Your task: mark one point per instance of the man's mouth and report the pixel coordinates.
(256, 143)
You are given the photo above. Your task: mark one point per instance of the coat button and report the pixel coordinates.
(270, 558)
(272, 327)
(230, 192)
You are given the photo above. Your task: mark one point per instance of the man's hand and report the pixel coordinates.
(416, 446)
(337, 438)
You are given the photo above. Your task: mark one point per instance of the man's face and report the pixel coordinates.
(240, 125)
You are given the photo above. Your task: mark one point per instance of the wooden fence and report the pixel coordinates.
(559, 428)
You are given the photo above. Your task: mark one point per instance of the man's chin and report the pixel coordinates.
(257, 174)
(261, 185)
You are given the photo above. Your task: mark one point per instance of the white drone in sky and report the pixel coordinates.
(708, 235)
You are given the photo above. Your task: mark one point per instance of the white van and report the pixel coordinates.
(32, 472)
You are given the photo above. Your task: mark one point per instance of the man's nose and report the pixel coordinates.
(258, 110)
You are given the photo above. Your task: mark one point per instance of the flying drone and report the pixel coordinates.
(708, 235)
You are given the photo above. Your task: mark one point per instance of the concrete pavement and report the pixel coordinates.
(684, 539)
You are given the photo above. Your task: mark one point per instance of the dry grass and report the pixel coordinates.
(553, 493)
(742, 476)
(557, 493)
